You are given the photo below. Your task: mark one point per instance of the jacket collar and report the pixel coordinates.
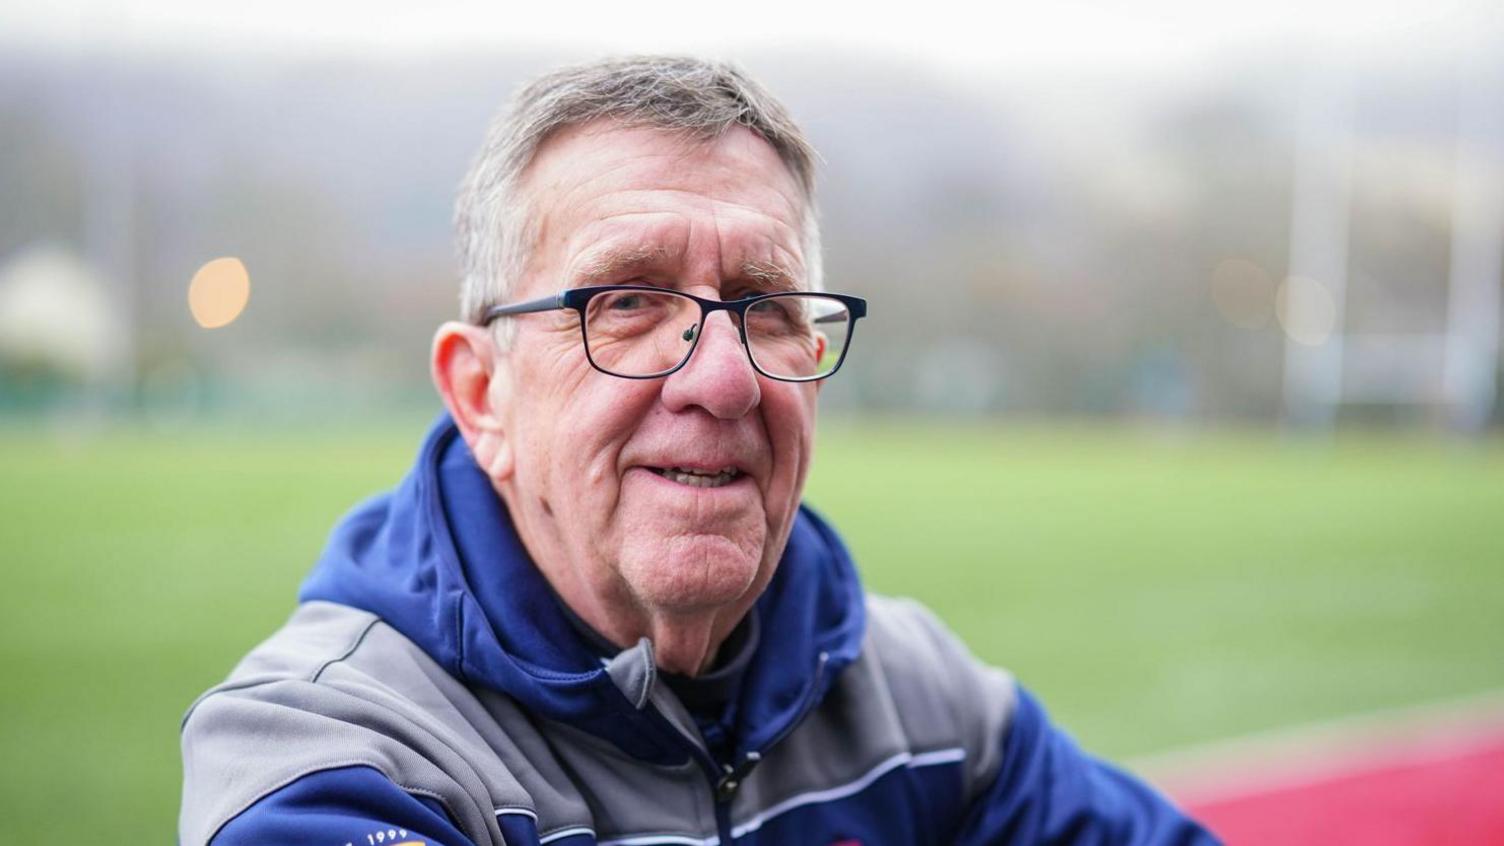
(438, 559)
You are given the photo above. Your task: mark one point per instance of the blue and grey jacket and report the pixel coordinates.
(431, 689)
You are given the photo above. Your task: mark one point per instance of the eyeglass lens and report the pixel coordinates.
(648, 333)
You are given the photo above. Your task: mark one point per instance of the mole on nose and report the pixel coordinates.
(689, 334)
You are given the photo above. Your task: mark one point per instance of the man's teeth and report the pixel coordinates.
(698, 478)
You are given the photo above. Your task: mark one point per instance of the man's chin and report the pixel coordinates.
(692, 572)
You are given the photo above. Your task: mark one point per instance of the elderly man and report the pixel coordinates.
(595, 611)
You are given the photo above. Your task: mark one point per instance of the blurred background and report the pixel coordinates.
(1179, 394)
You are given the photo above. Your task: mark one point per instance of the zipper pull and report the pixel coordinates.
(727, 786)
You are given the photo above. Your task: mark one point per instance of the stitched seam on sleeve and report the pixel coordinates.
(348, 652)
(423, 791)
(307, 771)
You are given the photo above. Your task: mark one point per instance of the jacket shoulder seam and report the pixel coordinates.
(263, 679)
(345, 656)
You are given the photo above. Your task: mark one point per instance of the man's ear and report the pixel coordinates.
(474, 388)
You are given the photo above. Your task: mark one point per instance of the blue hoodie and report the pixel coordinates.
(439, 561)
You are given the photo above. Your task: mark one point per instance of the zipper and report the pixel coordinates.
(726, 779)
(804, 706)
(732, 776)
(714, 774)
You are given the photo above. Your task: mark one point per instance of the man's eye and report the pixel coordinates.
(626, 302)
(782, 312)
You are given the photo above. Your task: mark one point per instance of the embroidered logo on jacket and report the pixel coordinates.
(389, 837)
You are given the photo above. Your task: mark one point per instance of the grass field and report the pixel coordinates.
(1155, 591)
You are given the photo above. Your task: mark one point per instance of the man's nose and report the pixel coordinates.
(718, 376)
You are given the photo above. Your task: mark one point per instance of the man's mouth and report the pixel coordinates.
(699, 478)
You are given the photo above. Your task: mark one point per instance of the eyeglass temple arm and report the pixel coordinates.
(855, 307)
(549, 303)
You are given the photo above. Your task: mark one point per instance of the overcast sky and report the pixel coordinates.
(948, 35)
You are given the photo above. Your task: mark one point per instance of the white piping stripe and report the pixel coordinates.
(941, 756)
(660, 840)
(517, 812)
(902, 759)
(566, 832)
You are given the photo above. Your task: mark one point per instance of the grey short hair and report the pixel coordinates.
(700, 98)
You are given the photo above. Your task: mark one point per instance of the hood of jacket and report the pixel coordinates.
(438, 559)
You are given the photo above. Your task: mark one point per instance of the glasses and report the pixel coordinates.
(639, 332)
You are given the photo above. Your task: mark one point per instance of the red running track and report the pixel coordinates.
(1446, 795)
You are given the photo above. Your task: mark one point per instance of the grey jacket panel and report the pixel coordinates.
(294, 707)
(337, 687)
(942, 693)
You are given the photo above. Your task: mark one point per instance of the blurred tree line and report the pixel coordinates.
(1090, 244)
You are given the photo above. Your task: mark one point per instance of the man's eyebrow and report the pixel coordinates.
(610, 264)
(771, 277)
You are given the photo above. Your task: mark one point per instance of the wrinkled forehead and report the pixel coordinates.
(607, 201)
(613, 259)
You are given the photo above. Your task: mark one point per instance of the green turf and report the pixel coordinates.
(1154, 591)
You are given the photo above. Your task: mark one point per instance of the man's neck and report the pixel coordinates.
(683, 643)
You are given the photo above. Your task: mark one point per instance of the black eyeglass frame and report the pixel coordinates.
(578, 298)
